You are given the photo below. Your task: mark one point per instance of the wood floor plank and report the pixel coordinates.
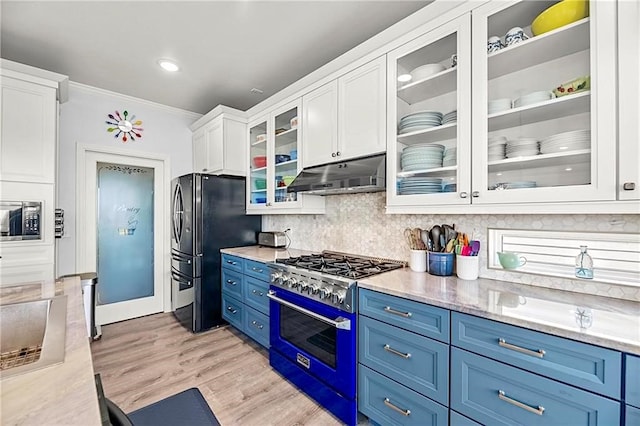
(147, 359)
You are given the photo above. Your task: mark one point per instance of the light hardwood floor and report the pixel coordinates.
(147, 359)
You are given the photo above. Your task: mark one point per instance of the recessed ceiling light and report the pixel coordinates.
(568, 169)
(168, 65)
(403, 78)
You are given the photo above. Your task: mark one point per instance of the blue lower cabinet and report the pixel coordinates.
(389, 403)
(417, 362)
(232, 311)
(632, 381)
(632, 416)
(256, 326)
(257, 270)
(457, 419)
(232, 283)
(255, 294)
(494, 393)
(232, 262)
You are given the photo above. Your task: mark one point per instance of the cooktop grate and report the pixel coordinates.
(19, 357)
(342, 264)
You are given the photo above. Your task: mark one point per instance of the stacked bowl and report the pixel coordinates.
(498, 105)
(497, 146)
(533, 98)
(567, 141)
(450, 187)
(419, 185)
(450, 157)
(522, 147)
(450, 117)
(421, 157)
(419, 121)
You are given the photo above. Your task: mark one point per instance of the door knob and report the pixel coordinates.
(629, 186)
(333, 154)
(463, 195)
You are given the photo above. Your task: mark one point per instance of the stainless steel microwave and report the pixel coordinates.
(20, 220)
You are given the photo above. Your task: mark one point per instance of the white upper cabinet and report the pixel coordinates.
(219, 144)
(429, 119)
(28, 131)
(345, 118)
(274, 152)
(529, 144)
(629, 99)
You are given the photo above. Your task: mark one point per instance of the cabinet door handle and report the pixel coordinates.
(257, 325)
(258, 270)
(539, 411)
(254, 291)
(629, 186)
(396, 408)
(475, 194)
(338, 154)
(539, 353)
(230, 309)
(393, 311)
(333, 154)
(231, 282)
(395, 352)
(231, 262)
(463, 195)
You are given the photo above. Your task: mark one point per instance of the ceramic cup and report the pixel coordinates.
(418, 261)
(511, 260)
(515, 35)
(454, 60)
(511, 300)
(467, 267)
(494, 44)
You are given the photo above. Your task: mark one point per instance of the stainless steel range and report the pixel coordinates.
(313, 324)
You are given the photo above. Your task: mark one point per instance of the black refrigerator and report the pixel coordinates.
(208, 213)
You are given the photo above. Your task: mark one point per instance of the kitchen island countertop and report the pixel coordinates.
(61, 394)
(603, 321)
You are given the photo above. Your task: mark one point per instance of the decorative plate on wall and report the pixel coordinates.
(126, 126)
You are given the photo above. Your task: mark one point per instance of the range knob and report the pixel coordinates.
(291, 282)
(313, 289)
(325, 293)
(337, 297)
(276, 277)
(303, 286)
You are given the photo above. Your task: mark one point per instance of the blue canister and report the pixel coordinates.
(441, 263)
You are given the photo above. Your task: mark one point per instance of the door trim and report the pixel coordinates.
(82, 259)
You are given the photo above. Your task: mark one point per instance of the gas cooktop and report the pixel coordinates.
(342, 265)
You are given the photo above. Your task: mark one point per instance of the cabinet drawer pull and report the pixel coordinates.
(254, 291)
(258, 270)
(530, 409)
(231, 282)
(396, 408)
(393, 351)
(232, 262)
(393, 311)
(257, 325)
(539, 353)
(230, 309)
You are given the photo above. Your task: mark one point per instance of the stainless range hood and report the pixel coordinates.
(366, 174)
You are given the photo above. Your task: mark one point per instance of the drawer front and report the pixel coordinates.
(232, 283)
(413, 316)
(632, 416)
(255, 294)
(232, 311)
(579, 364)
(256, 325)
(417, 362)
(456, 419)
(632, 380)
(257, 270)
(493, 393)
(234, 263)
(389, 403)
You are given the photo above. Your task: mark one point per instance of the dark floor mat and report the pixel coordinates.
(185, 408)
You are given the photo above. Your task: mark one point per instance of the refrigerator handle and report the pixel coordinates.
(177, 213)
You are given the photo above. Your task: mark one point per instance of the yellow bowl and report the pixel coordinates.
(559, 15)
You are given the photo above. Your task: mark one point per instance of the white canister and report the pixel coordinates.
(418, 261)
(467, 267)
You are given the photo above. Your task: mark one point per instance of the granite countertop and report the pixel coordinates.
(59, 394)
(608, 322)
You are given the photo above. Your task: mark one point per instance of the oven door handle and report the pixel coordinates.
(340, 322)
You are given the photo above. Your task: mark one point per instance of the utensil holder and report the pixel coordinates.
(441, 264)
(418, 261)
(467, 267)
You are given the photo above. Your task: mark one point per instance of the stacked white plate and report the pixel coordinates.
(497, 146)
(419, 185)
(567, 141)
(450, 187)
(425, 71)
(498, 105)
(533, 98)
(450, 117)
(520, 184)
(450, 157)
(421, 157)
(522, 147)
(419, 121)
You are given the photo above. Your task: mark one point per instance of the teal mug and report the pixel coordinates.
(511, 260)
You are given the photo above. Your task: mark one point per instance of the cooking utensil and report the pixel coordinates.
(424, 236)
(408, 235)
(450, 244)
(435, 232)
(475, 247)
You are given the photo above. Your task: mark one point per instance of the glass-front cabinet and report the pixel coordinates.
(274, 141)
(429, 118)
(544, 104)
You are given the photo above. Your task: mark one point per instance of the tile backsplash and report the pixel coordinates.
(358, 224)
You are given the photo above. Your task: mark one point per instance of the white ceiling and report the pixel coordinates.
(224, 48)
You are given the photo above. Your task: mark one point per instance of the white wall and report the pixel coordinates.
(82, 121)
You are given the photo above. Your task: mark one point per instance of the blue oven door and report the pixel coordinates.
(318, 338)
